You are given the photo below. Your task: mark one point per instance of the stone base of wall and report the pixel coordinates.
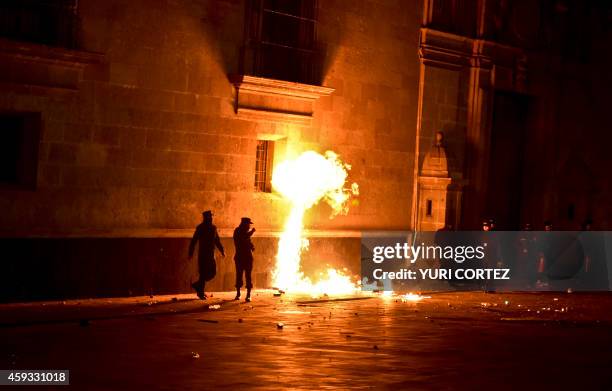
(67, 268)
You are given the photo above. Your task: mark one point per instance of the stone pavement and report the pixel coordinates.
(448, 341)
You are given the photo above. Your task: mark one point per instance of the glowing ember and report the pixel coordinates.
(389, 295)
(413, 297)
(305, 181)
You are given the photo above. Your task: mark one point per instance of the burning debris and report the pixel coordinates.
(408, 297)
(413, 297)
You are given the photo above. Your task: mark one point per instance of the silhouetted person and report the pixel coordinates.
(446, 237)
(486, 226)
(493, 257)
(545, 256)
(244, 255)
(594, 274)
(491, 224)
(587, 225)
(207, 237)
(526, 255)
(548, 226)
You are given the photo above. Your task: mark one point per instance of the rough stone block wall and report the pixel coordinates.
(148, 139)
(57, 269)
(139, 143)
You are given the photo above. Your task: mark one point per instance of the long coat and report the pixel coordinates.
(207, 237)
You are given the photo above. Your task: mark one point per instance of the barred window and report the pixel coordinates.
(263, 166)
(280, 40)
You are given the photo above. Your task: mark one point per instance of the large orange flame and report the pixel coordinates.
(305, 181)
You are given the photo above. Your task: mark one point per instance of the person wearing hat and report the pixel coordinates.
(244, 255)
(208, 238)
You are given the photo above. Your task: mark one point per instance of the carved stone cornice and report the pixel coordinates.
(435, 43)
(39, 69)
(442, 49)
(32, 52)
(263, 99)
(451, 51)
(264, 85)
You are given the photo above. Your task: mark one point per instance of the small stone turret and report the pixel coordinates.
(436, 161)
(434, 180)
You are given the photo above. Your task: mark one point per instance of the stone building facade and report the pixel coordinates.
(519, 90)
(132, 117)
